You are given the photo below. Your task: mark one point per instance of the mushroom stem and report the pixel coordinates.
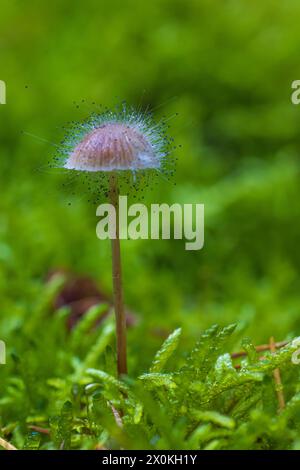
(117, 281)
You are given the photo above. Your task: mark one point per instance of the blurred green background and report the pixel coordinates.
(226, 67)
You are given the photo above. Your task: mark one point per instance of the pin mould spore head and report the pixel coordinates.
(119, 140)
(113, 146)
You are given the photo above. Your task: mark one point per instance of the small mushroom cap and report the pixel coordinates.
(113, 146)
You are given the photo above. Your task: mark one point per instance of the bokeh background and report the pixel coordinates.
(226, 68)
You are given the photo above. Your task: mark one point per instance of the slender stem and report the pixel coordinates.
(277, 380)
(117, 282)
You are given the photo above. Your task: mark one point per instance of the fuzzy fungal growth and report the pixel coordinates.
(108, 144)
(122, 139)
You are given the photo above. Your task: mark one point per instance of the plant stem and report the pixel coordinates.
(277, 380)
(117, 282)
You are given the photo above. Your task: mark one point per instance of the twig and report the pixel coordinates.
(6, 445)
(39, 429)
(117, 416)
(277, 380)
(262, 347)
(261, 358)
